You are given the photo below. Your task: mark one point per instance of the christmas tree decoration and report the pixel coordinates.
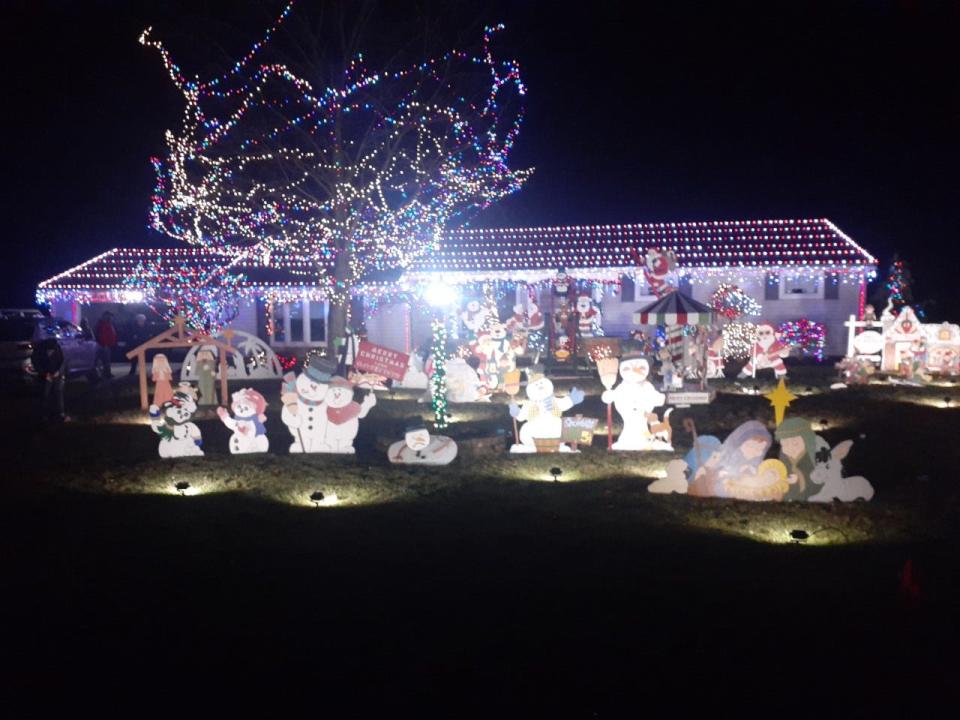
(898, 285)
(335, 183)
(808, 336)
(438, 382)
(738, 340)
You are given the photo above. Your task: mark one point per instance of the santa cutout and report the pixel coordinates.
(588, 316)
(658, 268)
(768, 352)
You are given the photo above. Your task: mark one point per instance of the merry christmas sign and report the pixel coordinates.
(380, 360)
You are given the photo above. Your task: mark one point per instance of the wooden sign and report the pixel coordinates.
(691, 397)
(381, 360)
(578, 429)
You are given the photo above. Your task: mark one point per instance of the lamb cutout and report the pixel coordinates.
(829, 474)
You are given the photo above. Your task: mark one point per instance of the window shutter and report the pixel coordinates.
(261, 319)
(628, 289)
(771, 288)
(831, 286)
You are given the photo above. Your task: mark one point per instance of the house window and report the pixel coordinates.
(628, 289)
(801, 286)
(302, 322)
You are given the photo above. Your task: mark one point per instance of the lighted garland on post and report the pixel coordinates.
(438, 379)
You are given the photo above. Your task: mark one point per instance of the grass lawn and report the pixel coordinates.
(483, 584)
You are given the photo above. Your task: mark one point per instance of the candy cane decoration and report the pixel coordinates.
(657, 267)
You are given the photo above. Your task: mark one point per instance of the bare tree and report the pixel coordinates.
(317, 165)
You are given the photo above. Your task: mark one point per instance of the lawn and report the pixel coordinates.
(485, 584)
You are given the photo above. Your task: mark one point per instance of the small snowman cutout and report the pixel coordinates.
(179, 437)
(344, 415)
(247, 424)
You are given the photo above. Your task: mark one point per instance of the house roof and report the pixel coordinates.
(697, 246)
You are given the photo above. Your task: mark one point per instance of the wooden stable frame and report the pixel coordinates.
(179, 336)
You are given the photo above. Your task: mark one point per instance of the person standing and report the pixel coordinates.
(106, 336)
(138, 336)
(47, 360)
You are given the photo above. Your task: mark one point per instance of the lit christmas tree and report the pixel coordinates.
(898, 285)
(343, 174)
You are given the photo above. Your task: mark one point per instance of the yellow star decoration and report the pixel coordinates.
(780, 399)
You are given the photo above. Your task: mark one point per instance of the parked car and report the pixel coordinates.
(21, 330)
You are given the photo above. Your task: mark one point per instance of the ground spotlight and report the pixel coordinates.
(556, 473)
(319, 499)
(182, 487)
(799, 536)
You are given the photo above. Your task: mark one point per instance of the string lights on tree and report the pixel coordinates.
(339, 181)
(898, 284)
(806, 335)
(731, 302)
(207, 297)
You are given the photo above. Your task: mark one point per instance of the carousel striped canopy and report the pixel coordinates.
(674, 309)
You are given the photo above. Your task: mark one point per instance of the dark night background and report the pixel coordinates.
(636, 112)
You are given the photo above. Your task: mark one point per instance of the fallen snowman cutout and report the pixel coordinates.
(419, 447)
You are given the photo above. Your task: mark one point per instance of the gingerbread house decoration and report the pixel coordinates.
(898, 339)
(943, 348)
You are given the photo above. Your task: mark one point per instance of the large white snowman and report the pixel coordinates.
(635, 398)
(541, 414)
(304, 412)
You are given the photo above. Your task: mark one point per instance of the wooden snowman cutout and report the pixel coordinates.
(179, 437)
(419, 447)
(541, 414)
(247, 424)
(343, 416)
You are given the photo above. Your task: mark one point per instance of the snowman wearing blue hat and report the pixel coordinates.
(304, 409)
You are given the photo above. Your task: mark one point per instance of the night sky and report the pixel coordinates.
(636, 112)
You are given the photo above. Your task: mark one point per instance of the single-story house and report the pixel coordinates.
(794, 268)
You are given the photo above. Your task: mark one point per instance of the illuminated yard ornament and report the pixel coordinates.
(608, 368)
(675, 311)
(768, 352)
(589, 319)
(635, 400)
(780, 400)
(828, 474)
(249, 434)
(419, 447)
(179, 437)
(943, 349)
(899, 335)
(541, 415)
(304, 410)
(339, 181)
(463, 382)
(253, 358)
